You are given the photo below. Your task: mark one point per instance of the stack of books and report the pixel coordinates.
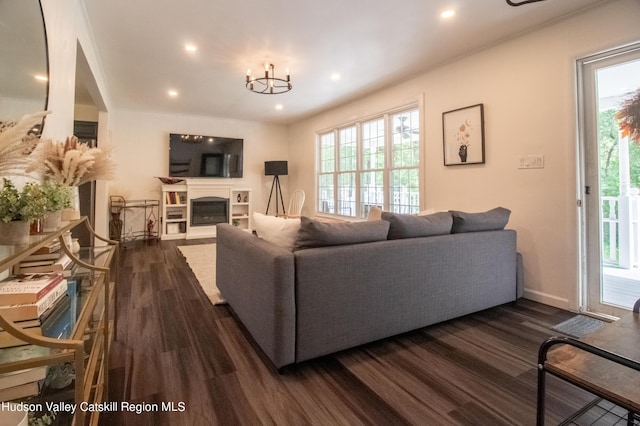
(29, 300)
(21, 384)
(172, 197)
(40, 304)
(46, 259)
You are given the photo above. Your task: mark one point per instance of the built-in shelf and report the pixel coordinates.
(177, 205)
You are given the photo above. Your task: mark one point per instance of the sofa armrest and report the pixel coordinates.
(257, 280)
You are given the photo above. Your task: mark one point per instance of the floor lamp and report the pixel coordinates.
(275, 169)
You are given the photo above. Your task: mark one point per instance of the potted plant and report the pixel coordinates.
(629, 117)
(18, 209)
(58, 198)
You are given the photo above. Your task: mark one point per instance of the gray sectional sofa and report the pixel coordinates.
(322, 297)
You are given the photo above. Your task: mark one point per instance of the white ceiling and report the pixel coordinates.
(370, 43)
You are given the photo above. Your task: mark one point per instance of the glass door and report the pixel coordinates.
(609, 96)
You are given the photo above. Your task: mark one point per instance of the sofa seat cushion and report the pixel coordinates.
(412, 226)
(313, 233)
(277, 230)
(492, 220)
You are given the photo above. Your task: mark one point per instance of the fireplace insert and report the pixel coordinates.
(208, 211)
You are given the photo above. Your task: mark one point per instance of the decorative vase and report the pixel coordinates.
(75, 245)
(115, 227)
(35, 227)
(14, 233)
(462, 152)
(52, 221)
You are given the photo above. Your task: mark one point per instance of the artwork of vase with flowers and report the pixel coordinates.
(463, 135)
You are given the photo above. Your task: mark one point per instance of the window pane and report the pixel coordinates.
(405, 191)
(371, 163)
(371, 191)
(347, 148)
(327, 153)
(373, 145)
(347, 194)
(406, 139)
(326, 194)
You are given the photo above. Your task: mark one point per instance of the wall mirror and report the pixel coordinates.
(24, 73)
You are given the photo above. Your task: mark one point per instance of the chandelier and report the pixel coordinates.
(520, 3)
(269, 84)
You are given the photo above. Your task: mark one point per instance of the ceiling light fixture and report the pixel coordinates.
(190, 47)
(520, 3)
(269, 84)
(448, 14)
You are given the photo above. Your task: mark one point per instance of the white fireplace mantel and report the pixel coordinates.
(239, 212)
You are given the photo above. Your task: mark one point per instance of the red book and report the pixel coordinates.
(27, 288)
(30, 311)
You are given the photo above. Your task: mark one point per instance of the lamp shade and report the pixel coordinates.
(275, 168)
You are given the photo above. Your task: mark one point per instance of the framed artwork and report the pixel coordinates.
(463, 135)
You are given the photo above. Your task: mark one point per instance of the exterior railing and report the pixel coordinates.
(621, 230)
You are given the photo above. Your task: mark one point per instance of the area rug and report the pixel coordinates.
(201, 258)
(579, 326)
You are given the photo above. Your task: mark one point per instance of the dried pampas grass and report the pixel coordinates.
(17, 144)
(73, 163)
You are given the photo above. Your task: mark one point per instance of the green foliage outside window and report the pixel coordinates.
(610, 156)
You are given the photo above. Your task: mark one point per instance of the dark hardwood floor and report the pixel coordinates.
(174, 346)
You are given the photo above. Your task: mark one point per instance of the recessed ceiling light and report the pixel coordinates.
(335, 76)
(173, 93)
(448, 13)
(190, 47)
(279, 107)
(40, 77)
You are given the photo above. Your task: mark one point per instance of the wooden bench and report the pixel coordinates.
(605, 363)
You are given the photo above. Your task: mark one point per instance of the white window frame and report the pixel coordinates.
(388, 141)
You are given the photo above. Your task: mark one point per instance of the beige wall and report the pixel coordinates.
(67, 27)
(526, 84)
(528, 88)
(141, 142)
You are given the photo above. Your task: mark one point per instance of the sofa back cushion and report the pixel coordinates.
(412, 226)
(277, 230)
(313, 233)
(492, 220)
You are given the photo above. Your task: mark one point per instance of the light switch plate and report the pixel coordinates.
(531, 161)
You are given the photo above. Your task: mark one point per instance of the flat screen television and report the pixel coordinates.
(205, 156)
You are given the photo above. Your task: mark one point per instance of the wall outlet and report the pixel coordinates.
(533, 161)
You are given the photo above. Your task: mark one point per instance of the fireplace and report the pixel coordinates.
(208, 211)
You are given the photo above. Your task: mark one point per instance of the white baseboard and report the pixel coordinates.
(547, 299)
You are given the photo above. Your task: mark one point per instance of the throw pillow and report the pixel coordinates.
(412, 226)
(277, 230)
(492, 220)
(426, 212)
(314, 233)
(375, 213)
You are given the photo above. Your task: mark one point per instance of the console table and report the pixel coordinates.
(605, 363)
(93, 326)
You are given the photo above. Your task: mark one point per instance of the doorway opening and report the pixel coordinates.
(610, 181)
